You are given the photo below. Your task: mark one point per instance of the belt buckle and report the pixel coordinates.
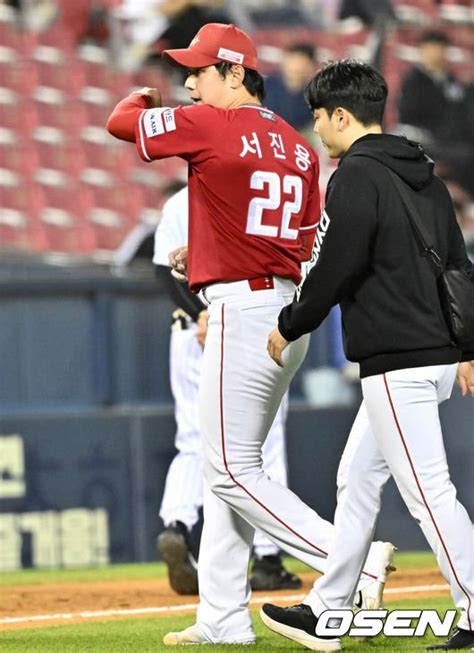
(261, 283)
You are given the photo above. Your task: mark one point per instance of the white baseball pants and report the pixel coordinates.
(241, 388)
(182, 497)
(397, 432)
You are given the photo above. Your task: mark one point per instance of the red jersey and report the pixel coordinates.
(253, 187)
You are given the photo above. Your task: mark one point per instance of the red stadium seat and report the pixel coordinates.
(150, 181)
(74, 17)
(58, 69)
(98, 104)
(64, 215)
(98, 71)
(54, 108)
(17, 154)
(13, 37)
(57, 151)
(15, 114)
(115, 210)
(20, 204)
(416, 12)
(22, 77)
(103, 151)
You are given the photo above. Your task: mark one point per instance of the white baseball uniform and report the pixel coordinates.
(182, 497)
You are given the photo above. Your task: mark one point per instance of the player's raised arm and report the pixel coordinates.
(124, 117)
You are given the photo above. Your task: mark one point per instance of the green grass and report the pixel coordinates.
(89, 575)
(421, 560)
(142, 635)
(402, 561)
(145, 635)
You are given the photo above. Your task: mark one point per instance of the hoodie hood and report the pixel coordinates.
(406, 158)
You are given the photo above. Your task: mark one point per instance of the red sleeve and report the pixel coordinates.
(124, 117)
(188, 132)
(311, 217)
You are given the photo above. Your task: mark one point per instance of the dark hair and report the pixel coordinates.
(253, 81)
(352, 85)
(435, 36)
(305, 49)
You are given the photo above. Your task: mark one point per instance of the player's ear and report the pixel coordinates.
(237, 73)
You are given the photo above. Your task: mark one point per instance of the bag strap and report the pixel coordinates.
(415, 220)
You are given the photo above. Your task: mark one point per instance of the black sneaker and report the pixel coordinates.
(460, 639)
(269, 574)
(299, 624)
(174, 548)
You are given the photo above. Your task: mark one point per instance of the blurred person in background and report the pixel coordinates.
(157, 24)
(262, 14)
(368, 11)
(432, 109)
(378, 17)
(285, 88)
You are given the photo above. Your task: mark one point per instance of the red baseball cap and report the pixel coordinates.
(213, 43)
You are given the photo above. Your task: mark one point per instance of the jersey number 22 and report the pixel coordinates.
(289, 185)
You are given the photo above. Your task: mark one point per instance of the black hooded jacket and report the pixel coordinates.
(366, 258)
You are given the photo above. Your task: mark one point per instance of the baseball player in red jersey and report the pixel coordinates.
(253, 211)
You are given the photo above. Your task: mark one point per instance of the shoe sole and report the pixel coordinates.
(181, 573)
(300, 636)
(179, 639)
(173, 639)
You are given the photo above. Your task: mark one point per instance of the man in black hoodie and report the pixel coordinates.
(367, 259)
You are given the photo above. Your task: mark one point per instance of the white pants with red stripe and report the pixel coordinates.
(397, 432)
(241, 388)
(182, 496)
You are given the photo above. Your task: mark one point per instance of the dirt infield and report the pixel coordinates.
(68, 600)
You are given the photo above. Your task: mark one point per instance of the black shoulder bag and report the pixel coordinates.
(455, 286)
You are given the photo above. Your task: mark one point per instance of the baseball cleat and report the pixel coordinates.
(193, 635)
(173, 546)
(380, 558)
(269, 574)
(298, 623)
(190, 635)
(460, 640)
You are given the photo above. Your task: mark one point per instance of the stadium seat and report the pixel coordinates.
(57, 68)
(54, 108)
(150, 182)
(416, 12)
(16, 114)
(58, 151)
(115, 209)
(457, 11)
(97, 103)
(103, 151)
(63, 216)
(20, 76)
(20, 204)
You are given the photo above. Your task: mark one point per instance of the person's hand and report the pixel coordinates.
(178, 260)
(153, 96)
(465, 377)
(275, 346)
(201, 331)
